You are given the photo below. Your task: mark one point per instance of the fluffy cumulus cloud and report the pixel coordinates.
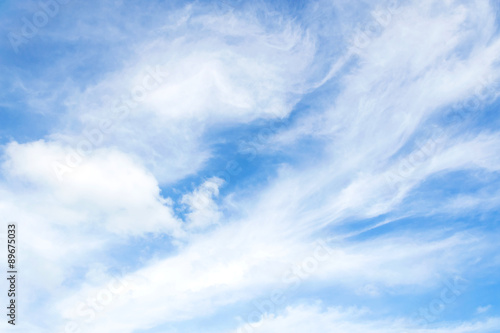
(237, 166)
(109, 189)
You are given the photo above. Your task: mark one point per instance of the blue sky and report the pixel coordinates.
(252, 166)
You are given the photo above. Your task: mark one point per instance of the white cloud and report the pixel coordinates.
(203, 210)
(313, 319)
(108, 189)
(483, 309)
